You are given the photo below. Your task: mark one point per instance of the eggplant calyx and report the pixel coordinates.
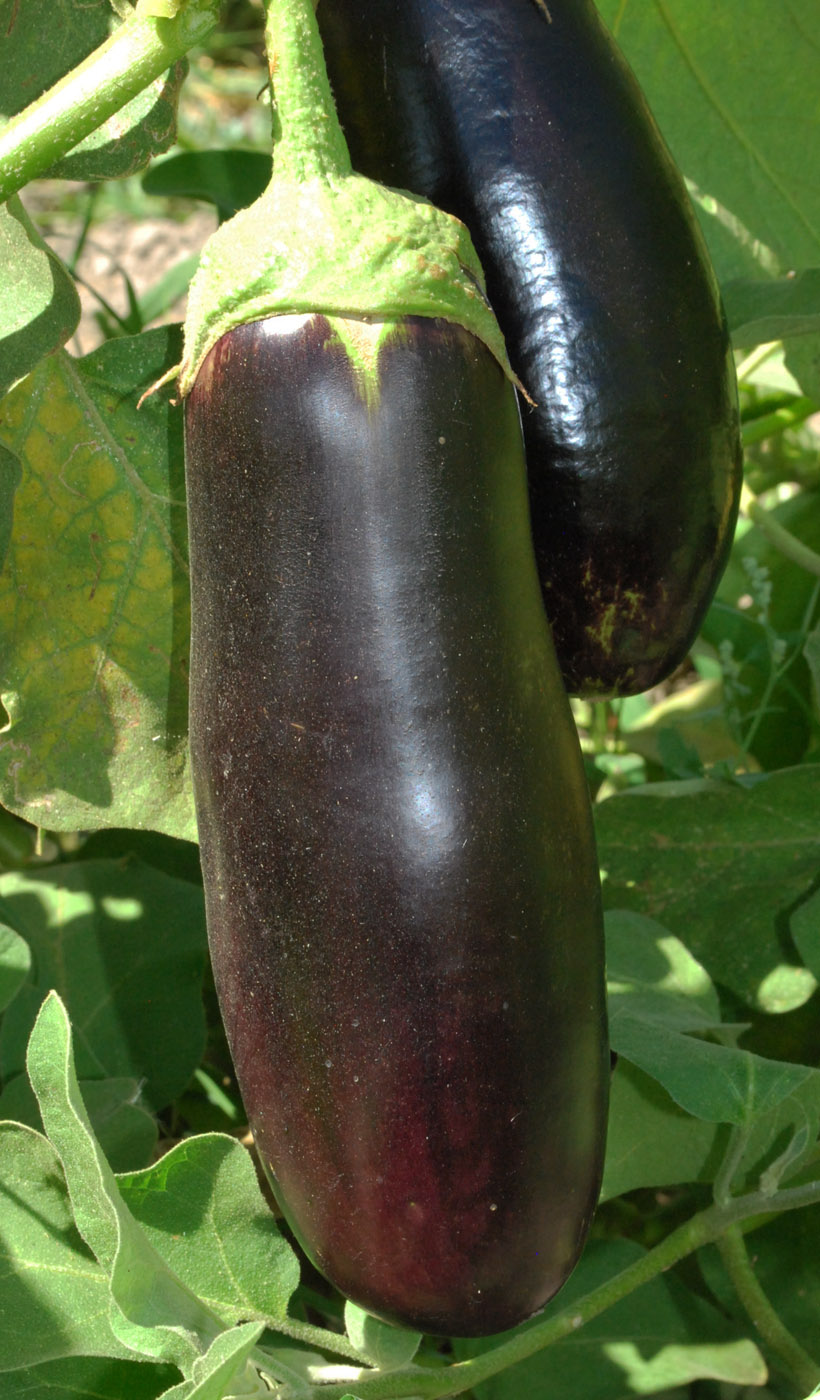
(323, 239)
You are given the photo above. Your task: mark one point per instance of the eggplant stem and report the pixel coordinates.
(308, 138)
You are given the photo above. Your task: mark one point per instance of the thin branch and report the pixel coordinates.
(772, 1331)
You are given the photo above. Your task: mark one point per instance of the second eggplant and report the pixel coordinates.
(525, 121)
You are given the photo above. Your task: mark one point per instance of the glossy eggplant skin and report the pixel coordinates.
(401, 884)
(535, 133)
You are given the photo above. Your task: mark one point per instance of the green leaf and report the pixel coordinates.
(658, 1337)
(54, 1297)
(792, 588)
(15, 961)
(215, 1374)
(652, 975)
(729, 94)
(709, 1081)
(781, 736)
(685, 731)
(95, 646)
(759, 312)
(125, 1132)
(125, 946)
(87, 1378)
(802, 360)
(42, 40)
(202, 1210)
(39, 305)
(805, 927)
(811, 652)
(155, 1314)
(651, 1141)
(229, 179)
(717, 863)
(657, 993)
(385, 1346)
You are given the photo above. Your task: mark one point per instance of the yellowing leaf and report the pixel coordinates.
(94, 618)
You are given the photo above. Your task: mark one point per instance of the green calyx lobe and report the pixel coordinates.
(323, 239)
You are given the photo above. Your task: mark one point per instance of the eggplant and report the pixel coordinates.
(524, 121)
(401, 886)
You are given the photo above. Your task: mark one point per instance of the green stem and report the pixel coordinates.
(787, 544)
(768, 1324)
(791, 415)
(702, 1229)
(137, 53)
(308, 137)
(319, 1337)
(755, 359)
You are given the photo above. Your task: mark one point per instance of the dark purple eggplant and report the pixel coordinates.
(402, 891)
(524, 120)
